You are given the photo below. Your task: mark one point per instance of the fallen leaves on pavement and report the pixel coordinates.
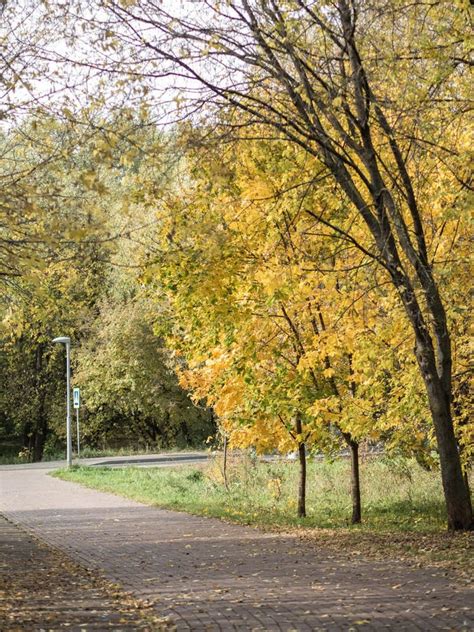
(42, 589)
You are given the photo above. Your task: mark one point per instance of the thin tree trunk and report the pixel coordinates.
(27, 438)
(355, 483)
(41, 421)
(355, 478)
(224, 466)
(185, 432)
(302, 479)
(353, 445)
(39, 437)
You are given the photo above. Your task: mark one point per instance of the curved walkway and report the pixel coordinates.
(208, 575)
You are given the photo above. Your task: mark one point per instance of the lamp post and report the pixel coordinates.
(67, 341)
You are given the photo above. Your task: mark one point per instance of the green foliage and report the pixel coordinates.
(128, 384)
(71, 193)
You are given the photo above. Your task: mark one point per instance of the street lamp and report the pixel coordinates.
(67, 341)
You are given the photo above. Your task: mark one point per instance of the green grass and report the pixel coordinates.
(397, 495)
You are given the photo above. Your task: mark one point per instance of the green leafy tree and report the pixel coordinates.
(128, 383)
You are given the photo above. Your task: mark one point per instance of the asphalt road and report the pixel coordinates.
(150, 460)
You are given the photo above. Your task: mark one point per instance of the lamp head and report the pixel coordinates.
(64, 339)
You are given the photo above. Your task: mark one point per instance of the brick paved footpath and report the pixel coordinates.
(209, 575)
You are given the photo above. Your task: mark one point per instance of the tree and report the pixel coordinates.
(128, 384)
(376, 94)
(59, 298)
(240, 271)
(28, 141)
(54, 251)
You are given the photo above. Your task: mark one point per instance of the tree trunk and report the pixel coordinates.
(466, 483)
(435, 363)
(302, 480)
(224, 465)
(456, 492)
(355, 483)
(27, 438)
(41, 421)
(393, 235)
(40, 433)
(355, 478)
(436, 371)
(183, 426)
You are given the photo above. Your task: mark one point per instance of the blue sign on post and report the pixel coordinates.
(76, 397)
